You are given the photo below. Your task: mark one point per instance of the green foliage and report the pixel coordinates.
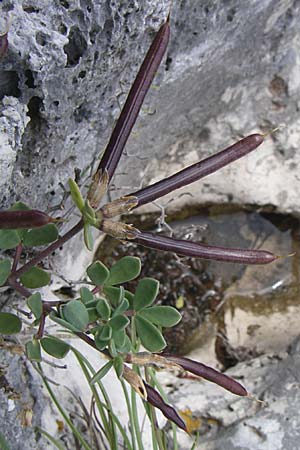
(145, 294)
(76, 314)
(35, 278)
(35, 304)
(102, 372)
(98, 273)
(3, 442)
(103, 309)
(114, 294)
(5, 266)
(9, 323)
(33, 350)
(86, 295)
(40, 236)
(126, 269)
(151, 338)
(164, 316)
(9, 239)
(55, 347)
(76, 194)
(88, 237)
(118, 365)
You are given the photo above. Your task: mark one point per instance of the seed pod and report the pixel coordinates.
(198, 250)
(198, 170)
(134, 101)
(209, 374)
(155, 399)
(24, 219)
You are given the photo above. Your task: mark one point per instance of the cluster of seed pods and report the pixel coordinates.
(100, 183)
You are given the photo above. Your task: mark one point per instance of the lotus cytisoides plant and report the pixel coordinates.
(108, 317)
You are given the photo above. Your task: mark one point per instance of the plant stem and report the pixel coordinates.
(153, 418)
(18, 253)
(44, 253)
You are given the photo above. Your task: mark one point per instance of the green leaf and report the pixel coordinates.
(126, 269)
(3, 442)
(129, 296)
(100, 343)
(114, 294)
(86, 295)
(9, 323)
(119, 322)
(102, 372)
(40, 236)
(88, 213)
(76, 314)
(126, 347)
(165, 316)
(151, 338)
(5, 266)
(76, 194)
(35, 278)
(123, 306)
(105, 333)
(118, 365)
(103, 309)
(35, 304)
(53, 316)
(119, 338)
(33, 350)
(98, 273)
(145, 294)
(9, 239)
(19, 206)
(55, 347)
(93, 314)
(88, 237)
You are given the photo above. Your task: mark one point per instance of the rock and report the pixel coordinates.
(231, 423)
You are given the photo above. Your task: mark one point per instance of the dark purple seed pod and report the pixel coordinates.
(209, 374)
(198, 250)
(198, 170)
(3, 44)
(31, 218)
(155, 399)
(134, 101)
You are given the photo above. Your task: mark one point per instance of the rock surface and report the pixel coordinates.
(230, 423)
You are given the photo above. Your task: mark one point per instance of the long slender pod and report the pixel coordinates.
(134, 102)
(198, 250)
(198, 170)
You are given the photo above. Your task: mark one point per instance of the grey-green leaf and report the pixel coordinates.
(126, 269)
(5, 266)
(76, 194)
(103, 309)
(98, 273)
(76, 314)
(40, 236)
(118, 366)
(165, 316)
(53, 316)
(33, 350)
(114, 294)
(55, 347)
(9, 239)
(9, 323)
(86, 295)
(35, 278)
(35, 304)
(88, 237)
(119, 322)
(145, 294)
(102, 372)
(151, 338)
